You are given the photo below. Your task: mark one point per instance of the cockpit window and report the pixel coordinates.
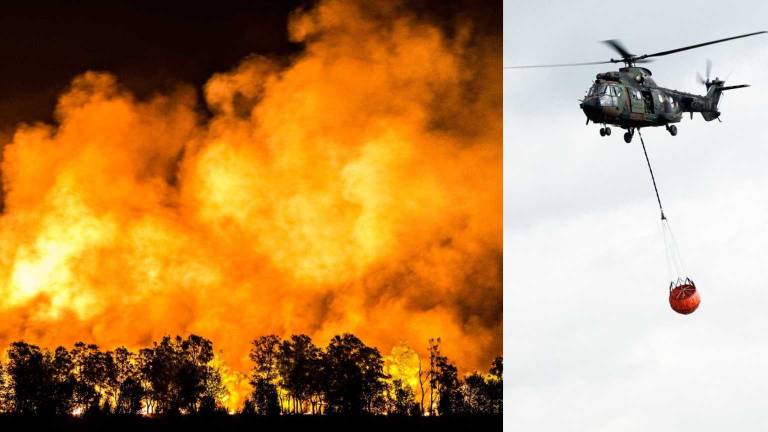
(609, 95)
(602, 89)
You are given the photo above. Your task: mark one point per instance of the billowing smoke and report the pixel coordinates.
(354, 188)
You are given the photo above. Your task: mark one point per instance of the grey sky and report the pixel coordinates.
(590, 340)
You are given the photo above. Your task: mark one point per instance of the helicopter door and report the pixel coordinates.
(636, 101)
(648, 101)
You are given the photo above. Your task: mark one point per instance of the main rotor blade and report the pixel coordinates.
(663, 53)
(618, 47)
(558, 65)
(709, 68)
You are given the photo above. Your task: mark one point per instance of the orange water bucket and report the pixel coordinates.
(683, 296)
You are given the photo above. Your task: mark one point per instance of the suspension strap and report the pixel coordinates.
(653, 179)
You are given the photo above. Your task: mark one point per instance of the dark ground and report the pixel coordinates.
(227, 423)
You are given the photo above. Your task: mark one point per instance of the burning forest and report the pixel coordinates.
(353, 187)
(294, 376)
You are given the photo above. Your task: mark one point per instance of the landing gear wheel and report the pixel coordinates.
(672, 130)
(627, 137)
(608, 131)
(602, 131)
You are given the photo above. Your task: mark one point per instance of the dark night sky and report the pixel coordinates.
(148, 45)
(151, 45)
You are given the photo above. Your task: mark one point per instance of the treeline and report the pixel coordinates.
(347, 377)
(291, 376)
(175, 375)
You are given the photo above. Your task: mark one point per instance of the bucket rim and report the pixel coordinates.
(681, 282)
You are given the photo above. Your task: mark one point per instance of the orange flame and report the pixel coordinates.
(356, 190)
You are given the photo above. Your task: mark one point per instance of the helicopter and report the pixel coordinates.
(630, 98)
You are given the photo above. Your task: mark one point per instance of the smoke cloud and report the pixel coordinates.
(354, 188)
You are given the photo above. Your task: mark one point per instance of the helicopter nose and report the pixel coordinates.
(591, 107)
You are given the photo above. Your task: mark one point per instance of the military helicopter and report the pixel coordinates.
(629, 98)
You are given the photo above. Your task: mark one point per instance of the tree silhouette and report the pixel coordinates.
(213, 393)
(129, 392)
(496, 368)
(145, 368)
(423, 379)
(434, 353)
(42, 382)
(297, 361)
(475, 391)
(483, 394)
(179, 374)
(4, 391)
(160, 366)
(450, 399)
(495, 386)
(355, 376)
(401, 400)
(443, 382)
(264, 354)
(204, 385)
(96, 379)
(264, 398)
(317, 382)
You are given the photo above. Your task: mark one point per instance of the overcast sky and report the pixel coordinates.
(590, 341)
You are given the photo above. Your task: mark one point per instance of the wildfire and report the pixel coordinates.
(357, 189)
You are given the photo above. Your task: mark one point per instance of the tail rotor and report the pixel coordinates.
(706, 82)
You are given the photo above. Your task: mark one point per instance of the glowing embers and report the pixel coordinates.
(683, 296)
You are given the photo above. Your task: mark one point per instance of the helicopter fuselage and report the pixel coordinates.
(631, 99)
